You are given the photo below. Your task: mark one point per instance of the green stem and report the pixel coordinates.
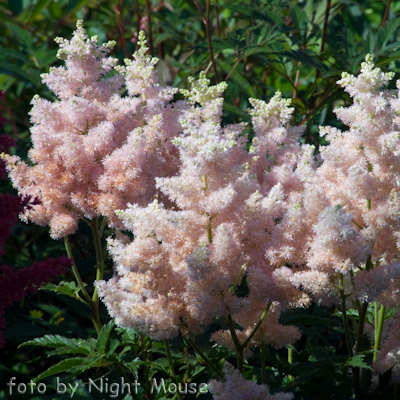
(360, 331)
(368, 204)
(262, 351)
(244, 345)
(205, 359)
(94, 312)
(356, 376)
(209, 230)
(238, 278)
(378, 328)
(290, 361)
(239, 347)
(359, 347)
(171, 368)
(75, 270)
(344, 316)
(99, 258)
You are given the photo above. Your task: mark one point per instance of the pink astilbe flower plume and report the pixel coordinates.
(235, 387)
(178, 273)
(346, 218)
(95, 150)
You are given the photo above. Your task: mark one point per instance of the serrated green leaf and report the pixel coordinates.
(162, 362)
(358, 361)
(82, 349)
(65, 288)
(72, 365)
(112, 346)
(103, 336)
(54, 341)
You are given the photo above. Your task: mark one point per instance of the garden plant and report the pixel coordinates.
(200, 199)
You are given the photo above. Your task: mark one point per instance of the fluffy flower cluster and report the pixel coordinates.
(181, 270)
(347, 218)
(205, 211)
(95, 150)
(235, 387)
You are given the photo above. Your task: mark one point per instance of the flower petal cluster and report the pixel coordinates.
(347, 218)
(94, 150)
(181, 270)
(235, 387)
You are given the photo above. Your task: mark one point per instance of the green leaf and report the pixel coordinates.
(72, 365)
(83, 348)
(7, 53)
(386, 60)
(24, 36)
(66, 288)
(386, 32)
(239, 79)
(40, 5)
(55, 10)
(231, 109)
(103, 336)
(305, 58)
(12, 70)
(351, 313)
(299, 18)
(252, 12)
(358, 361)
(54, 341)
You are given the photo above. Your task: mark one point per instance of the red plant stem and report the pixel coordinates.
(233, 68)
(118, 11)
(150, 33)
(296, 81)
(209, 41)
(200, 12)
(328, 8)
(386, 14)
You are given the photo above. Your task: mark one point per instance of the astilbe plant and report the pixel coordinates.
(182, 268)
(94, 150)
(345, 233)
(212, 214)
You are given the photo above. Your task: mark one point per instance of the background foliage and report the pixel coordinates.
(300, 48)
